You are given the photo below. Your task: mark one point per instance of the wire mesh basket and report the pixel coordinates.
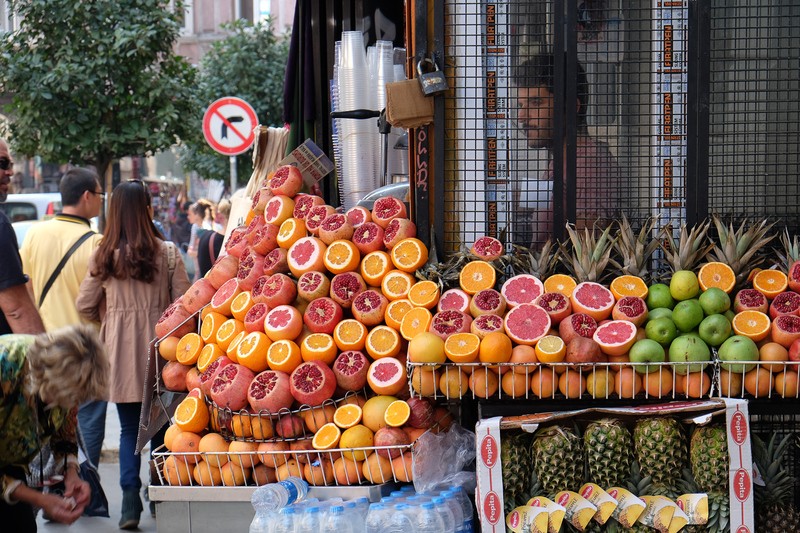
(760, 380)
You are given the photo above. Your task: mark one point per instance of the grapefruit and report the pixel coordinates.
(306, 255)
(527, 323)
(387, 376)
(592, 299)
(615, 337)
(522, 289)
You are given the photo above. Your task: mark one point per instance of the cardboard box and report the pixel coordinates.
(488, 433)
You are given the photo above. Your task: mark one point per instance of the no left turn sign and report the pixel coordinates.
(229, 124)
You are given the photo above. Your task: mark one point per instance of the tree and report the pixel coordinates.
(94, 81)
(249, 64)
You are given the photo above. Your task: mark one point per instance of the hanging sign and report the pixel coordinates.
(229, 124)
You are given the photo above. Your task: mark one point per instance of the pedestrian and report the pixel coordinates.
(19, 314)
(55, 254)
(133, 276)
(210, 243)
(44, 378)
(201, 215)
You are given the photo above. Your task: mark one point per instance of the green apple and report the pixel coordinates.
(659, 312)
(689, 349)
(647, 351)
(715, 301)
(684, 285)
(738, 348)
(715, 329)
(687, 315)
(662, 330)
(658, 296)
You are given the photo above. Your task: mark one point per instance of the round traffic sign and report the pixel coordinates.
(229, 124)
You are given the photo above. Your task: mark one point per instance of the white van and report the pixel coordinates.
(34, 206)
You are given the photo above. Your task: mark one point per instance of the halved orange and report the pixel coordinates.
(192, 415)
(550, 349)
(397, 413)
(319, 347)
(560, 283)
(189, 348)
(342, 256)
(414, 322)
(252, 351)
(396, 284)
(770, 283)
(350, 334)
(462, 347)
(291, 231)
(383, 341)
(347, 416)
(716, 274)
(627, 285)
(753, 324)
(395, 312)
(374, 266)
(231, 351)
(241, 305)
(409, 254)
(424, 293)
(477, 276)
(211, 323)
(326, 437)
(228, 331)
(284, 355)
(210, 353)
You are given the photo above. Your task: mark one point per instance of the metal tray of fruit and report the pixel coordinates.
(764, 379)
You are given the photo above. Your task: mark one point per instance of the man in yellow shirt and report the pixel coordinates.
(46, 243)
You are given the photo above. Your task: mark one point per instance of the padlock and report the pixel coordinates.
(432, 83)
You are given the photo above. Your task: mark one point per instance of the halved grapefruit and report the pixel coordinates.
(305, 255)
(593, 299)
(615, 337)
(522, 289)
(526, 323)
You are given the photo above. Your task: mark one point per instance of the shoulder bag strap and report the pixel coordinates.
(63, 262)
(171, 259)
(212, 239)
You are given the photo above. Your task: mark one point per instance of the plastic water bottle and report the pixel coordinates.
(377, 518)
(286, 520)
(429, 521)
(274, 496)
(401, 521)
(310, 521)
(338, 521)
(408, 488)
(362, 506)
(449, 520)
(466, 507)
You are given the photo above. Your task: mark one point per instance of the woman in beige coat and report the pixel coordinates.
(128, 285)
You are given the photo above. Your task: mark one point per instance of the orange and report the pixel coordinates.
(347, 416)
(627, 383)
(787, 384)
(231, 350)
(396, 284)
(752, 324)
(211, 323)
(424, 293)
(483, 382)
(342, 256)
(416, 321)
(350, 334)
(523, 357)
(243, 453)
(291, 231)
(207, 475)
(176, 471)
(495, 347)
(168, 346)
(628, 285)
(192, 415)
(212, 448)
(187, 443)
(658, 384)
(550, 349)
(355, 440)
(319, 473)
(227, 331)
(716, 274)
(377, 469)
(397, 413)
(395, 312)
(453, 383)
(319, 347)
(477, 276)
(374, 266)
(424, 381)
(251, 351)
(515, 385)
(572, 385)
(317, 416)
(462, 347)
(383, 341)
(694, 384)
(758, 382)
(543, 383)
(169, 435)
(241, 304)
(210, 353)
(409, 254)
(284, 355)
(773, 356)
(560, 283)
(730, 383)
(188, 349)
(770, 283)
(347, 472)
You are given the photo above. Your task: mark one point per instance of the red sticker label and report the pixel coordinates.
(562, 501)
(743, 529)
(513, 519)
(492, 509)
(741, 484)
(739, 428)
(489, 451)
(587, 491)
(613, 493)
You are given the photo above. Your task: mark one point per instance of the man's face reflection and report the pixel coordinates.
(535, 115)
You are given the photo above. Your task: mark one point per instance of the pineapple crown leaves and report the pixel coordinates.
(587, 256)
(740, 247)
(635, 249)
(540, 263)
(690, 249)
(768, 458)
(789, 251)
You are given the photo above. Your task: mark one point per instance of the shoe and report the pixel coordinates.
(131, 509)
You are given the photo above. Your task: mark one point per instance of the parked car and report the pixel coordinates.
(33, 206)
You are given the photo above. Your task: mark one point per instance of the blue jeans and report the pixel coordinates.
(130, 462)
(92, 422)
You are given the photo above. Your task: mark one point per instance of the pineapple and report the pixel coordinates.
(588, 256)
(608, 445)
(660, 448)
(789, 251)
(690, 249)
(774, 508)
(636, 250)
(517, 462)
(740, 248)
(719, 509)
(708, 453)
(523, 260)
(558, 459)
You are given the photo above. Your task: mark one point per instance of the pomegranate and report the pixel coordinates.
(794, 276)
(251, 265)
(577, 324)
(786, 329)
(345, 287)
(786, 303)
(237, 242)
(265, 239)
(585, 352)
(387, 439)
(369, 307)
(257, 292)
(368, 238)
(358, 215)
(445, 323)
(556, 305)
(255, 224)
(312, 382)
(276, 261)
(487, 302)
(322, 315)
(750, 299)
(335, 227)
(287, 180)
(269, 391)
(485, 324)
(262, 196)
(397, 230)
(422, 413)
(255, 317)
(312, 285)
(175, 320)
(224, 269)
(794, 350)
(315, 216)
(279, 289)
(229, 388)
(630, 308)
(303, 204)
(350, 369)
(487, 248)
(290, 426)
(302, 445)
(387, 208)
(198, 295)
(193, 379)
(174, 376)
(207, 377)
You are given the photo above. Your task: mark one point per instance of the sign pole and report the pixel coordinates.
(233, 174)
